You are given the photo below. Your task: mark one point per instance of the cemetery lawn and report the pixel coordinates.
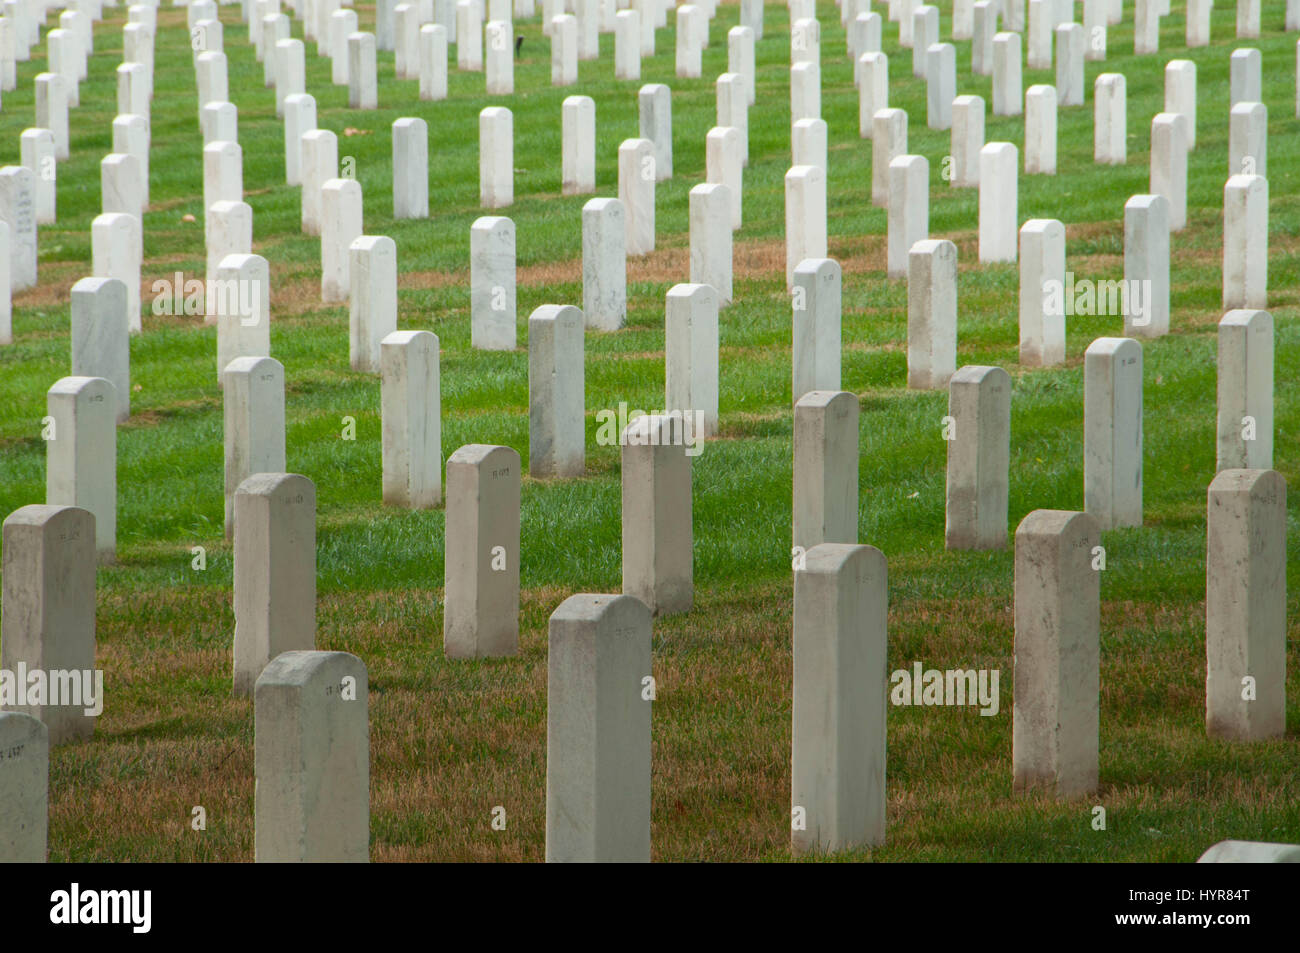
(451, 741)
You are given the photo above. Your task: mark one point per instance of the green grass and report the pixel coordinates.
(451, 741)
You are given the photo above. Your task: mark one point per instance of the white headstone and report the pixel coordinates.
(481, 602)
(312, 759)
(253, 411)
(931, 314)
(341, 218)
(1112, 432)
(604, 264)
(81, 454)
(1245, 242)
(1042, 292)
(837, 765)
(556, 392)
(656, 514)
(410, 168)
(1057, 654)
(496, 162)
(578, 160)
(1245, 606)
(598, 731)
(47, 613)
(998, 202)
(411, 402)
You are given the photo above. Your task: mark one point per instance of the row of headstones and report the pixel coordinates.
(311, 706)
(28, 192)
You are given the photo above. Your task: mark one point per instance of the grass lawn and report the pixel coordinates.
(451, 741)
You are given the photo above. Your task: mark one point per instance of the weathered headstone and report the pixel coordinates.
(837, 771)
(556, 392)
(825, 508)
(24, 788)
(888, 142)
(341, 215)
(1112, 432)
(1169, 147)
(1146, 266)
(52, 105)
(500, 58)
(656, 514)
(656, 124)
(816, 300)
(18, 211)
(253, 413)
(710, 238)
(691, 357)
(241, 300)
(81, 454)
(47, 613)
(1248, 139)
(1042, 292)
(979, 458)
(941, 84)
(1110, 119)
(564, 50)
(598, 731)
(312, 759)
(481, 595)
(1146, 27)
(688, 46)
(492, 283)
(1057, 654)
(604, 264)
(372, 316)
(1245, 391)
(274, 570)
(1245, 606)
(1245, 242)
(100, 336)
(636, 190)
(931, 313)
(908, 217)
(411, 405)
(320, 164)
